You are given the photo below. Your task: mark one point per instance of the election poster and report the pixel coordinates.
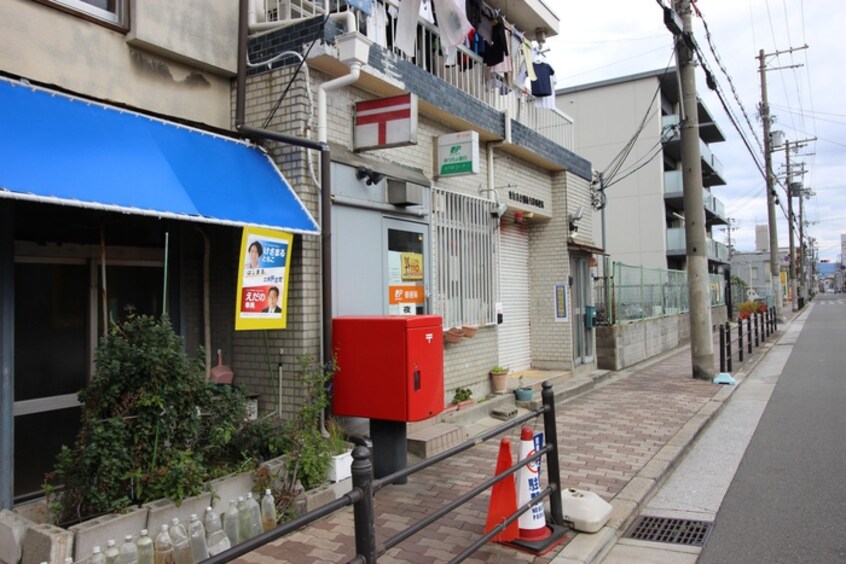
(263, 279)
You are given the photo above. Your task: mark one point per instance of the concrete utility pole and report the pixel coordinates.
(790, 223)
(701, 340)
(775, 278)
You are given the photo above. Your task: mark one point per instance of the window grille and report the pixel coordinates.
(466, 269)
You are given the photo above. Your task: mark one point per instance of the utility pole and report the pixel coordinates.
(775, 274)
(699, 298)
(790, 222)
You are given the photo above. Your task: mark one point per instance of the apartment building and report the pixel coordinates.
(141, 156)
(644, 216)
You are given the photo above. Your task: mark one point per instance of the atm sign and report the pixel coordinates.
(405, 295)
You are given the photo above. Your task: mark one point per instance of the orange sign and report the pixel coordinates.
(405, 295)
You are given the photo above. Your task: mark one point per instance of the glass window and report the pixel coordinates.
(466, 280)
(112, 11)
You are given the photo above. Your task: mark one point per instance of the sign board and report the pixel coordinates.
(262, 299)
(561, 304)
(458, 154)
(385, 122)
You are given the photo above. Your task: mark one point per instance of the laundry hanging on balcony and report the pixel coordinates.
(453, 24)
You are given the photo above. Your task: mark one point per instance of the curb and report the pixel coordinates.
(587, 548)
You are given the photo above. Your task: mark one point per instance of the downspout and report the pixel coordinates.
(319, 145)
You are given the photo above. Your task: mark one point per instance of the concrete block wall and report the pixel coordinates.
(96, 532)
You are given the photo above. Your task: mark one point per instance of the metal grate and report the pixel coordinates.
(665, 529)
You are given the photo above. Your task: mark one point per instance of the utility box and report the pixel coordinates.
(390, 367)
(590, 316)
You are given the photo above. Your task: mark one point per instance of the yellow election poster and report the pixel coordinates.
(262, 298)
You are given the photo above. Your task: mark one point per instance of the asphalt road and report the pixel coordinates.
(787, 502)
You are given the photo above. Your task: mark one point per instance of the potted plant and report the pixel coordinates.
(522, 392)
(461, 397)
(499, 379)
(340, 451)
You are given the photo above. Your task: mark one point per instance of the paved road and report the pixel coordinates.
(787, 502)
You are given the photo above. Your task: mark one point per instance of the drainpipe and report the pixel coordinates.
(320, 145)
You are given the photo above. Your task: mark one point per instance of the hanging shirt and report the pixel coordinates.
(496, 50)
(542, 87)
(377, 25)
(452, 23)
(406, 35)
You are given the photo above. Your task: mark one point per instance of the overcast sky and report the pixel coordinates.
(602, 40)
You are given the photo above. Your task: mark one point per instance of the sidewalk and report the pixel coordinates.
(619, 440)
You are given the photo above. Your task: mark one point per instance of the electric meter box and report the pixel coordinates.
(390, 367)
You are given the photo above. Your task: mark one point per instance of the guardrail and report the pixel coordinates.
(365, 487)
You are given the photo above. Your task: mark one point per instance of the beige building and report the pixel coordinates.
(505, 248)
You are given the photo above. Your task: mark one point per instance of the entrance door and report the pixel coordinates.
(514, 334)
(58, 320)
(581, 297)
(406, 275)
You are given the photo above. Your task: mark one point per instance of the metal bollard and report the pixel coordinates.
(756, 315)
(749, 333)
(722, 348)
(364, 521)
(556, 507)
(740, 339)
(728, 347)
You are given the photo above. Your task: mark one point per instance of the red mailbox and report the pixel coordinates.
(390, 367)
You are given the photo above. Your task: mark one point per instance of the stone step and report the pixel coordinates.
(434, 439)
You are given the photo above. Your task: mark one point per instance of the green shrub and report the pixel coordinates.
(151, 425)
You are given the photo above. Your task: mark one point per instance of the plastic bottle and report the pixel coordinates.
(245, 526)
(181, 546)
(197, 539)
(96, 556)
(164, 547)
(111, 553)
(216, 539)
(268, 511)
(128, 551)
(255, 515)
(144, 544)
(230, 523)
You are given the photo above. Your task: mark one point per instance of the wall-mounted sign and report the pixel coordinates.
(525, 199)
(458, 154)
(262, 301)
(406, 295)
(561, 303)
(412, 266)
(385, 122)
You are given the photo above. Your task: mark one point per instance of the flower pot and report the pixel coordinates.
(499, 382)
(524, 394)
(340, 466)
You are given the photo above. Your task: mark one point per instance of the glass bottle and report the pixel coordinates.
(197, 539)
(230, 523)
(164, 547)
(111, 553)
(216, 539)
(255, 515)
(128, 551)
(144, 544)
(268, 511)
(245, 527)
(181, 547)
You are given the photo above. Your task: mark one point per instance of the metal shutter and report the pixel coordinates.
(515, 344)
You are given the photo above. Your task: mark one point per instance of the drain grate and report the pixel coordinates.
(665, 529)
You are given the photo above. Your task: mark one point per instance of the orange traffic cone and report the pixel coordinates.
(503, 503)
(532, 522)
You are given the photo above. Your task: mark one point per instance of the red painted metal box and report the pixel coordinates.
(390, 367)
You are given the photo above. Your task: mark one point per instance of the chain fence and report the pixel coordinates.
(636, 292)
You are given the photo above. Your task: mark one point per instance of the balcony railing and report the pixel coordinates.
(468, 74)
(676, 245)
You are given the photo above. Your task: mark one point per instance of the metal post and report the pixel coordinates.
(7, 354)
(552, 466)
(791, 270)
(701, 339)
(740, 339)
(749, 334)
(365, 524)
(722, 348)
(756, 315)
(728, 347)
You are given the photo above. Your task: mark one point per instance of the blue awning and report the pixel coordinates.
(60, 149)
